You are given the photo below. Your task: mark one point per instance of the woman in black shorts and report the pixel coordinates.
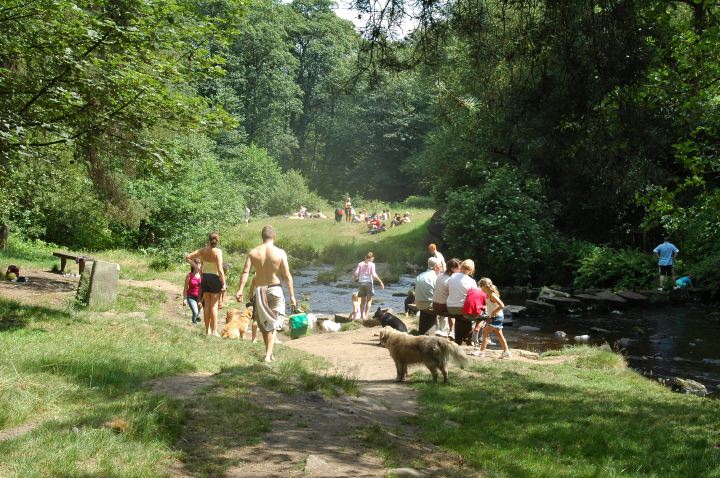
(213, 280)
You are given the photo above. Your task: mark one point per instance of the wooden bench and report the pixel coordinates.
(79, 260)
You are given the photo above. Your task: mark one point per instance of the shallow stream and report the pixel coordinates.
(658, 341)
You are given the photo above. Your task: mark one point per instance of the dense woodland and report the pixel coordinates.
(558, 140)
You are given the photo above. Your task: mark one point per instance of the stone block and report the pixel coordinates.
(538, 307)
(632, 296)
(102, 291)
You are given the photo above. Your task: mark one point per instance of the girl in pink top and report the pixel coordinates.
(365, 274)
(191, 290)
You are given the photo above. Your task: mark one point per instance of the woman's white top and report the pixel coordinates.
(440, 294)
(459, 285)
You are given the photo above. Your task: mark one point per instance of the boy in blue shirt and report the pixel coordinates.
(666, 253)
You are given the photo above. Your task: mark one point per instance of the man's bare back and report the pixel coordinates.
(267, 260)
(270, 263)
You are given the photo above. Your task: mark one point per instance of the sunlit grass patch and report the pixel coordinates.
(583, 418)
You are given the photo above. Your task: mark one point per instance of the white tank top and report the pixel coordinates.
(492, 307)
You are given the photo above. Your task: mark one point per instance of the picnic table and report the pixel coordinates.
(78, 259)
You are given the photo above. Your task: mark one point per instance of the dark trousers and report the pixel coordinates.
(463, 329)
(427, 321)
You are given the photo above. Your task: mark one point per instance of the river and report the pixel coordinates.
(661, 342)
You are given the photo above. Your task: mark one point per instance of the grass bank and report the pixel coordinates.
(75, 373)
(306, 241)
(588, 417)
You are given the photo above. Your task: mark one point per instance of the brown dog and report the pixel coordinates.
(434, 352)
(236, 323)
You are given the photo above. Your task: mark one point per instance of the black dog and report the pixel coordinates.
(410, 302)
(386, 319)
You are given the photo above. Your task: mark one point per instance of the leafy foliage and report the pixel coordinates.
(505, 225)
(603, 266)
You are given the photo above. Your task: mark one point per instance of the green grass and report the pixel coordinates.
(589, 417)
(74, 371)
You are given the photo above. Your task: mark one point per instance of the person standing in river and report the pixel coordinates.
(365, 274)
(269, 262)
(213, 280)
(666, 254)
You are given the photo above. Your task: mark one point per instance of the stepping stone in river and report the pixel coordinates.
(632, 296)
(538, 307)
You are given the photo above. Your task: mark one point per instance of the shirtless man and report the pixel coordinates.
(268, 260)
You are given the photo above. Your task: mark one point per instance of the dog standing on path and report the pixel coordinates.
(434, 352)
(386, 319)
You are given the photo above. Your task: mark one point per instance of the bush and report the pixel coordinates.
(603, 266)
(291, 193)
(418, 202)
(505, 225)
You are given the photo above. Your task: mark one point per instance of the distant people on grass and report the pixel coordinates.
(432, 249)
(191, 290)
(495, 308)
(339, 213)
(445, 324)
(270, 264)
(424, 290)
(666, 254)
(458, 286)
(226, 268)
(247, 215)
(213, 280)
(348, 209)
(366, 276)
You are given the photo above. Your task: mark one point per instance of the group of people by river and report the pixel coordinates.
(444, 293)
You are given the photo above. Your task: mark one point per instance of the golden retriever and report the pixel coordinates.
(434, 352)
(236, 323)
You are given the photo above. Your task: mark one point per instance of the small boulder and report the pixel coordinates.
(692, 387)
(625, 341)
(560, 334)
(529, 328)
(582, 338)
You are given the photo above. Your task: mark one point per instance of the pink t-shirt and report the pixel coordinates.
(365, 271)
(194, 285)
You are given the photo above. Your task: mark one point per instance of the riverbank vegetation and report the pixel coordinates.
(543, 132)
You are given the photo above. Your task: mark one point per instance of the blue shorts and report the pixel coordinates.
(497, 322)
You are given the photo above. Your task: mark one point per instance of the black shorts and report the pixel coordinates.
(666, 270)
(211, 283)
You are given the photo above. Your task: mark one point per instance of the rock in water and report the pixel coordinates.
(692, 387)
(529, 328)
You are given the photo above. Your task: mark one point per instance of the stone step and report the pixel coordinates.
(539, 307)
(564, 303)
(612, 300)
(515, 310)
(632, 296)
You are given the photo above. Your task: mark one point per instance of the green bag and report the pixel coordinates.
(298, 325)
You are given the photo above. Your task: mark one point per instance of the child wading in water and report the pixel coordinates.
(495, 308)
(356, 307)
